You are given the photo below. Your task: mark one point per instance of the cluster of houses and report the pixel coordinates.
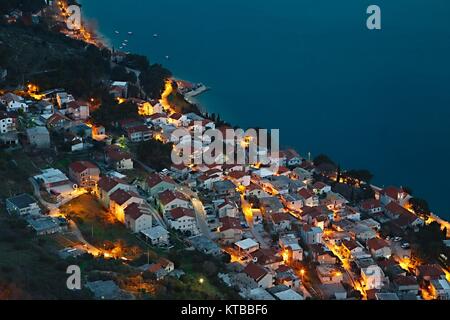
(272, 223)
(51, 111)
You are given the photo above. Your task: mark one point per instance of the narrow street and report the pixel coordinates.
(248, 214)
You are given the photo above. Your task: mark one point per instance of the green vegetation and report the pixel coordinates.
(155, 154)
(429, 241)
(29, 266)
(111, 112)
(15, 169)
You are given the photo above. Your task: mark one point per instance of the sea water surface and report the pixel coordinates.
(378, 100)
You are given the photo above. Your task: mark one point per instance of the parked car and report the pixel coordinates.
(397, 239)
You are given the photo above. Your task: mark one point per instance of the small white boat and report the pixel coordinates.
(116, 32)
(125, 40)
(130, 33)
(167, 57)
(155, 35)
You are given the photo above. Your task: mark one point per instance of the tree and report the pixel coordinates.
(420, 206)
(323, 159)
(430, 241)
(155, 154)
(360, 175)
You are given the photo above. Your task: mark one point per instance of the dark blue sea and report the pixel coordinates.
(369, 99)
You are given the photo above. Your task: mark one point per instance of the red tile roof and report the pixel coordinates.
(121, 196)
(370, 204)
(392, 192)
(107, 183)
(81, 166)
(134, 211)
(350, 244)
(255, 271)
(397, 209)
(155, 178)
(180, 212)
(405, 281)
(430, 270)
(230, 223)
(289, 154)
(138, 128)
(306, 193)
(176, 116)
(115, 153)
(280, 217)
(377, 244)
(168, 196)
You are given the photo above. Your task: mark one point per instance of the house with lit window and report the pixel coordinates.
(170, 199)
(106, 186)
(120, 200)
(157, 183)
(259, 275)
(138, 217)
(182, 219)
(120, 159)
(84, 173)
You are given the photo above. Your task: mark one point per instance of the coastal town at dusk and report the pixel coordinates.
(93, 205)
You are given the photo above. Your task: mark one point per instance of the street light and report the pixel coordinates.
(201, 280)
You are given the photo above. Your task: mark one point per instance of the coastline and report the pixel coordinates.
(192, 98)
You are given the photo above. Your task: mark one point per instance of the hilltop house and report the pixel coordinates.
(13, 103)
(120, 200)
(227, 209)
(373, 277)
(379, 248)
(371, 206)
(138, 217)
(182, 219)
(230, 230)
(311, 235)
(77, 110)
(394, 194)
(138, 133)
(289, 243)
(280, 221)
(157, 183)
(58, 121)
(55, 182)
(38, 137)
(309, 198)
(118, 158)
(84, 173)
(106, 186)
(168, 200)
(259, 275)
(22, 205)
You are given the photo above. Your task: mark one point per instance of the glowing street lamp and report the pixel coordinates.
(201, 280)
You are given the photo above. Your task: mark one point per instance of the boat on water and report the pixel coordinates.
(116, 32)
(130, 33)
(155, 35)
(167, 57)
